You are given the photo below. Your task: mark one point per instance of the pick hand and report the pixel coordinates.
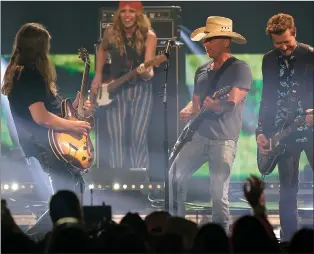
(309, 117)
(263, 144)
(185, 114)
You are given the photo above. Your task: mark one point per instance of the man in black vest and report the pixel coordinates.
(287, 87)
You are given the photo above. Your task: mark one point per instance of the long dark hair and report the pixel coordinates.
(31, 50)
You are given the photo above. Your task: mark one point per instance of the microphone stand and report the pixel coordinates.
(166, 142)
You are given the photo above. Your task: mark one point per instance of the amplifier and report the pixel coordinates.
(165, 20)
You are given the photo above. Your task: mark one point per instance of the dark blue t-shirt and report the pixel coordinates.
(227, 125)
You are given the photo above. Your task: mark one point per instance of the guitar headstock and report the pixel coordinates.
(159, 58)
(83, 54)
(222, 93)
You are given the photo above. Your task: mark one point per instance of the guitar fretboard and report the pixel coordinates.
(286, 132)
(199, 117)
(120, 81)
(84, 91)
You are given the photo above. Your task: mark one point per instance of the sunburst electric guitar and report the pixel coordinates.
(76, 150)
(104, 97)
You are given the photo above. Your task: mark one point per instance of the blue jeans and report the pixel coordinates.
(220, 155)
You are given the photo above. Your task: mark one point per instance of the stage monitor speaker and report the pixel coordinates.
(165, 20)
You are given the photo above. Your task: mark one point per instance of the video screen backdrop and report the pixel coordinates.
(69, 71)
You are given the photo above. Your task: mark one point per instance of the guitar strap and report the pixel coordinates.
(212, 83)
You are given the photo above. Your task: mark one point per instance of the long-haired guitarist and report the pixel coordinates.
(216, 139)
(30, 84)
(288, 73)
(130, 42)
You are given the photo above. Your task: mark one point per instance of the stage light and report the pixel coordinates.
(22, 186)
(91, 186)
(99, 186)
(124, 186)
(133, 186)
(158, 186)
(14, 186)
(150, 186)
(31, 186)
(116, 186)
(142, 186)
(6, 186)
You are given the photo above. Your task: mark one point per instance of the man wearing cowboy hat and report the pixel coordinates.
(216, 139)
(288, 73)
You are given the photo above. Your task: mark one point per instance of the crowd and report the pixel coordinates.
(159, 232)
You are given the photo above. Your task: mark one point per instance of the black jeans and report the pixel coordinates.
(288, 167)
(62, 177)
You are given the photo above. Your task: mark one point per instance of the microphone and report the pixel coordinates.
(169, 45)
(175, 43)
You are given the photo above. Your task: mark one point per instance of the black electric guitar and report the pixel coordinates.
(267, 162)
(190, 128)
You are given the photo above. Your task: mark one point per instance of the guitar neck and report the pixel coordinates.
(214, 97)
(120, 81)
(84, 90)
(199, 116)
(291, 128)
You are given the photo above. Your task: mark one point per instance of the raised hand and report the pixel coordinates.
(253, 190)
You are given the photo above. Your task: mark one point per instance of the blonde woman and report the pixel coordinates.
(130, 42)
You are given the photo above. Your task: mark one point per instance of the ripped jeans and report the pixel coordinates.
(220, 155)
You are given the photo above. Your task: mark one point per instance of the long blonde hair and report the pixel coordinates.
(142, 26)
(31, 49)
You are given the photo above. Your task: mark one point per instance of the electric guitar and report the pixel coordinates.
(267, 162)
(76, 150)
(190, 128)
(103, 94)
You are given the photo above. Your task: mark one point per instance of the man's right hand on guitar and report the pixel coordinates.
(80, 127)
(263, 143)
(309, 117)
(185, 114)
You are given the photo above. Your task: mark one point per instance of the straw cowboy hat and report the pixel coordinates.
(217, 26)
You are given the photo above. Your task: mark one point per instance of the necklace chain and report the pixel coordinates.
(130, 41)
